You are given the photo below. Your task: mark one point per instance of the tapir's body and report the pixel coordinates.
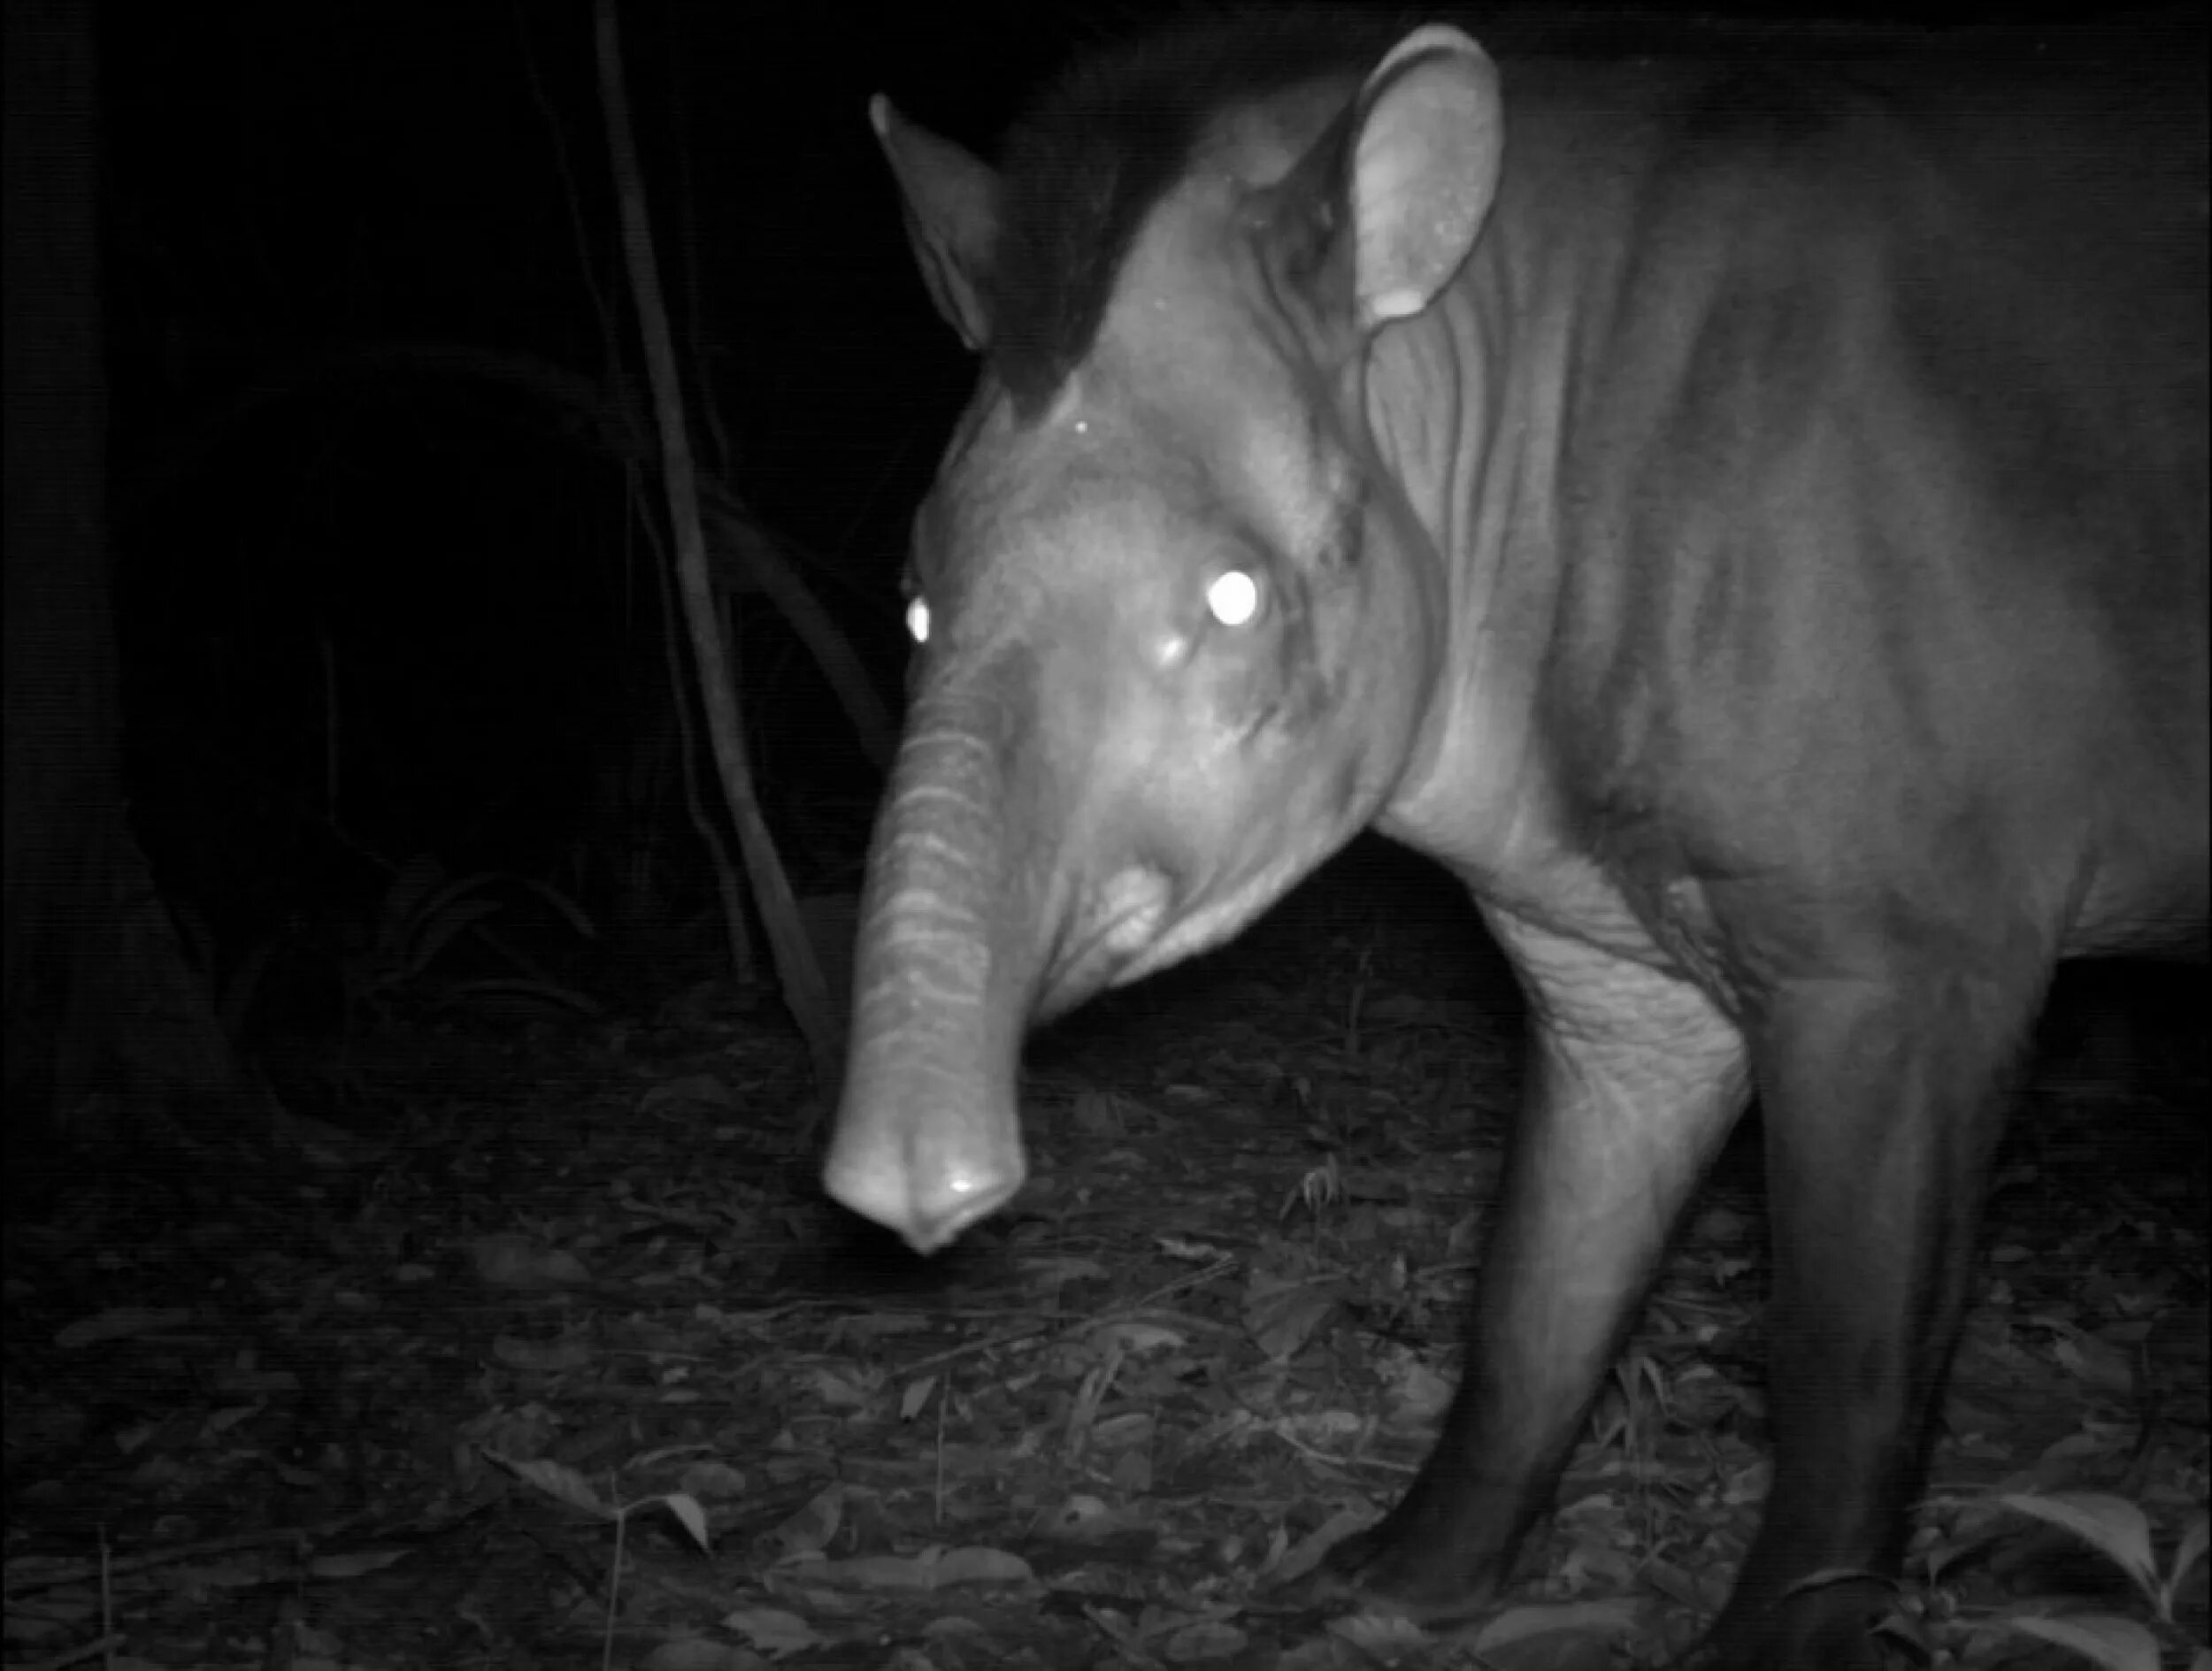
(1748, 522)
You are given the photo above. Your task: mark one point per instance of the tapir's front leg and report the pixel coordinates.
(1635, 1077)
(1884, 1096)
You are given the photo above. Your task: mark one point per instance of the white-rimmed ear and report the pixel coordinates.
(1424, 166)
(952, 209)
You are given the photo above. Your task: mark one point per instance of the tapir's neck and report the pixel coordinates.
(1478, 475)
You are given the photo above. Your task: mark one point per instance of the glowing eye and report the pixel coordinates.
(1233, 598)
(918, 619)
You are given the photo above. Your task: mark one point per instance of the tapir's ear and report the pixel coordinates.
(1423, 170)
(951, 218)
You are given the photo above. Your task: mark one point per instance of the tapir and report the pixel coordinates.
(1742, 511)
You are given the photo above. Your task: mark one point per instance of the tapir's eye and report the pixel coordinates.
(1233, 598)
(918, 619)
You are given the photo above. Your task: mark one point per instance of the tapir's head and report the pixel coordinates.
(1178, 630)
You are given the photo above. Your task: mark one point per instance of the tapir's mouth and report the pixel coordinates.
(1159, 923)
(1208, 921)
(1103, 952)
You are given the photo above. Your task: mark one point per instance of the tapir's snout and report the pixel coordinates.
(928, 1170)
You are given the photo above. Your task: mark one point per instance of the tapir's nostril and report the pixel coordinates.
(951, 1215)
(929, 1195)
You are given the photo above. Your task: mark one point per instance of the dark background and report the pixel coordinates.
(375, 611)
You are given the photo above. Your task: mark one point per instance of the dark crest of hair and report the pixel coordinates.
(1103, 145)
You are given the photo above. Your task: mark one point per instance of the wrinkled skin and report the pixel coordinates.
(1756, 542)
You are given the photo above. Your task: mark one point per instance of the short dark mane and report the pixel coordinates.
(1098, 150)
(1101, 146)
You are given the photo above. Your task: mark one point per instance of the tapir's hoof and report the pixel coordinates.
(1821, 1628)
(1381, 1574)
